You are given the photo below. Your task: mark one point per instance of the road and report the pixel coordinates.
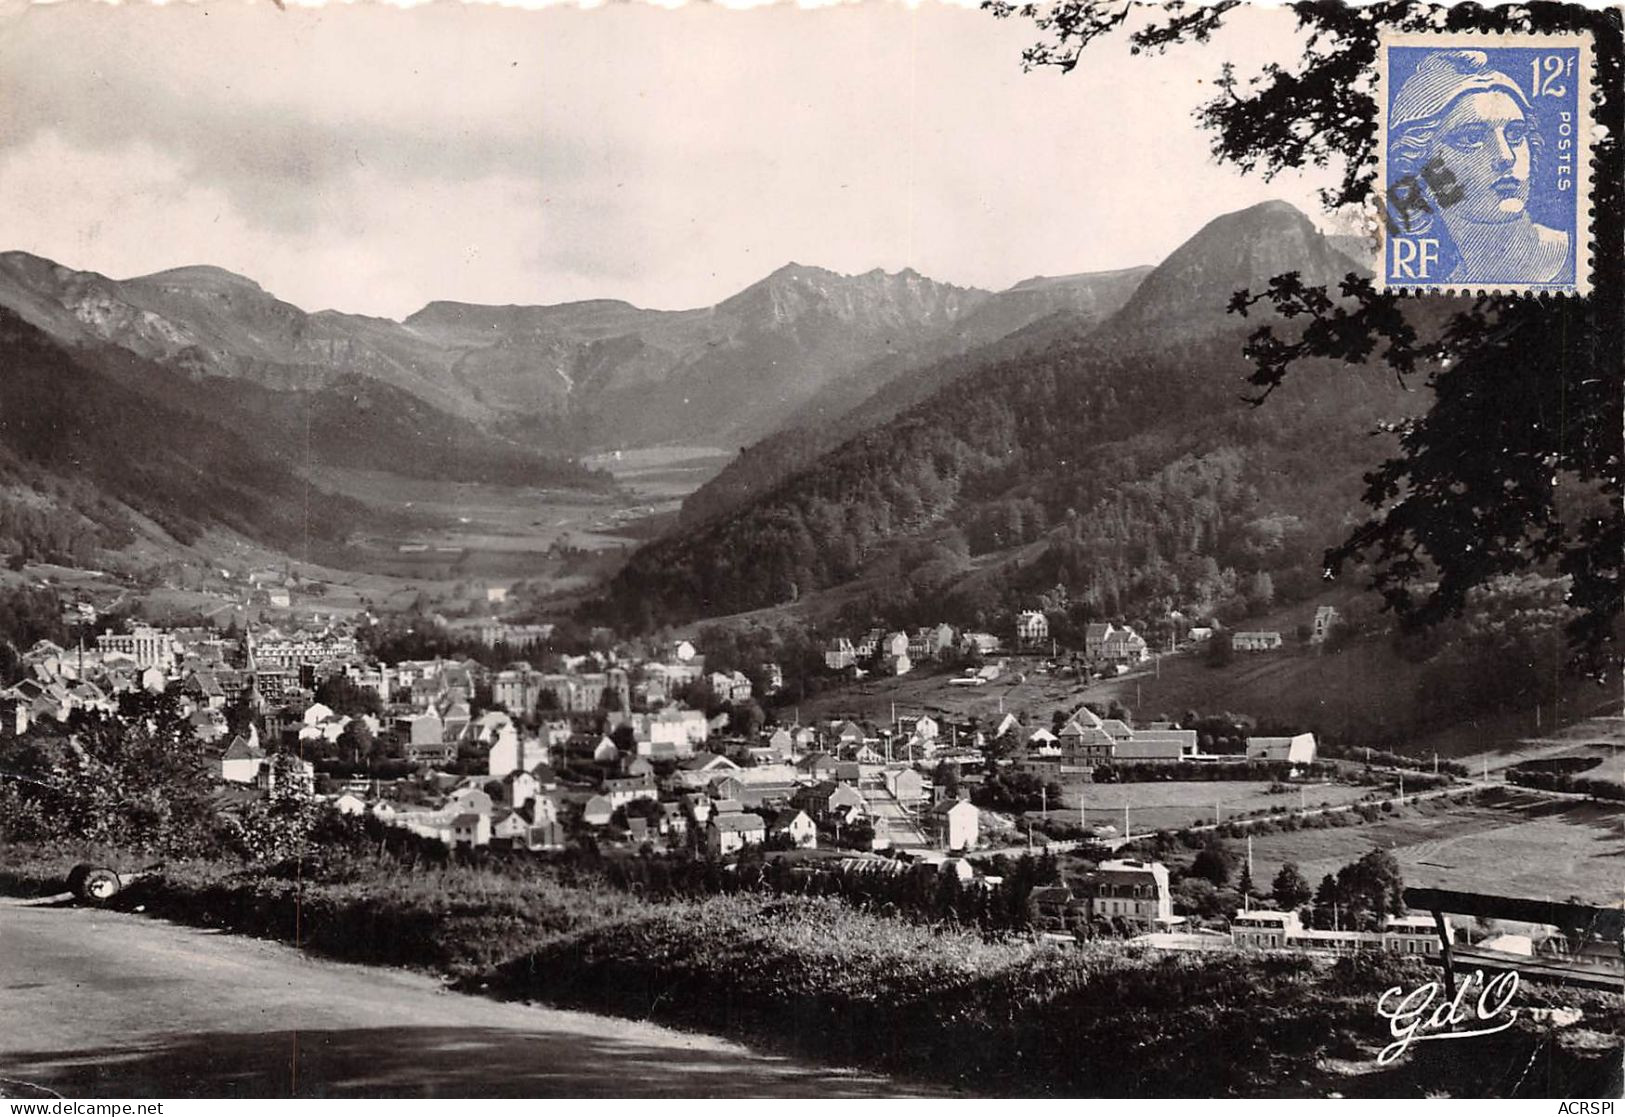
(103, 1004)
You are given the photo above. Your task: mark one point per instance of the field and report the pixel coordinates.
(1363, 694)
(662, 473)
(464, 535)
(1157, 805)
(1529, 846)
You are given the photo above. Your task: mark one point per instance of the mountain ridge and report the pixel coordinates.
(1122, 452)
(583, 375)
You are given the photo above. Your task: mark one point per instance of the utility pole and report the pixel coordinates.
(1246, 898)
(1125, 821)
(1043, 797)
(1300, 797)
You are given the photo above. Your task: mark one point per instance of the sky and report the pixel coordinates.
(371, 159)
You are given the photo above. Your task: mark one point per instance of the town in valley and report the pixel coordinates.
(849, 551)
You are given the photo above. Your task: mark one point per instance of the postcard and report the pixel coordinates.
(961, 549)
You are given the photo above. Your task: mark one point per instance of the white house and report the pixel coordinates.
(1133, 892)
(470, 830)
(1157, 745)
(1326, 618)
(954, 824)
(510, 826)
(729, 833)
(801, 829)
(1256, 641)
(520, 788)
(839, 654)
(1032, 627)
(350, 804)
(620, 792)
(241, 762)
(905, 784)
(505, 753)
(1297, 750)
(924, 726)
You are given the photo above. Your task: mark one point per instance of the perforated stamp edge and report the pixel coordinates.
(1585, 218)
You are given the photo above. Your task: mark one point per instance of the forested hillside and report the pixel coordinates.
(1143, 474)
(355, 421)
(79, 452)
(1026, 318)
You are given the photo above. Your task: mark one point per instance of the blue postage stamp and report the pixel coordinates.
(1485, 162)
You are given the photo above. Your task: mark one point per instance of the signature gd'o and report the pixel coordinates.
(1424, 1014)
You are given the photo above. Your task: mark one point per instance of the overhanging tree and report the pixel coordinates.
(1517, 464)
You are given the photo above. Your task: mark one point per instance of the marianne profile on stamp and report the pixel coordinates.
(1466, 138)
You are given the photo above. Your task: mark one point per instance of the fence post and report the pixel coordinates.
(1449, 960)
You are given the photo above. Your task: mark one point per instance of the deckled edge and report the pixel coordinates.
(1585, 231)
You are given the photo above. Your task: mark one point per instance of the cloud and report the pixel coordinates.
(371, 158)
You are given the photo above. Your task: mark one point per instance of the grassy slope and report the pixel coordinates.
(1519, 844)
(1363, 693)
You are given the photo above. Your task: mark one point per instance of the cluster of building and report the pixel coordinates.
(1326, 618)
(1087, 741)
(782, 788)
(791, 785)
(1284, 930)
(1133, 897)
(897, 652)
(201, 665)
(608, 722)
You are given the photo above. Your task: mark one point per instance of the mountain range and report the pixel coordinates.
(563, 379)
(1106, 465)
(874, 409)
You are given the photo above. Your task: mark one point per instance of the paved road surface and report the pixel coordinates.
(102, 1004)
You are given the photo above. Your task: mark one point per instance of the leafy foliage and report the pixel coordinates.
(136, 780)
(1289, 888)
(1517, 464)
(1214, 863)
(1016, 789)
